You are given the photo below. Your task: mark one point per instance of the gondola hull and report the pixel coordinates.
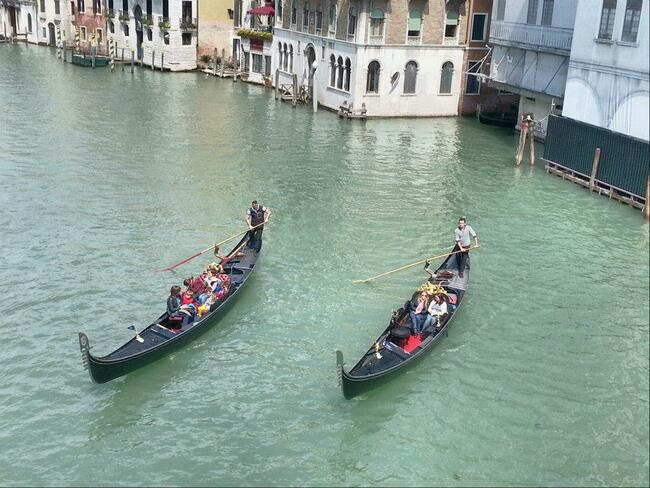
(157, 341)
(383, 363)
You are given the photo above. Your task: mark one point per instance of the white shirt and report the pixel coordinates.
(436, 308)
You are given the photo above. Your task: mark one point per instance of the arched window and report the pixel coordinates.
(285, 59)
(446, 77)
(294, 12)
(348, 72)
(339, 78)
(451, 23)
(410, 76)
(372, 81)
(352, 22)
(29, 23)
(291, 58)
(280, 55)
(377, 24)
(332, 70)
(333, 18)
(415, 24)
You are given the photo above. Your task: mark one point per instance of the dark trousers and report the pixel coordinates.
(255, 239)
(462, 259)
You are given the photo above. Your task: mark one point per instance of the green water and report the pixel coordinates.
(104, 178)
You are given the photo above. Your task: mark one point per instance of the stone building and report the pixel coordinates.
(392, 57)
(39, 21)
(215, 28)
(18, 20)
(159, 32)
(90, 20)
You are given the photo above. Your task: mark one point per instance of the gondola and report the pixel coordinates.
(397, 348)
(160, 338)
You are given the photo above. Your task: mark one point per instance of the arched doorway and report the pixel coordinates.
(310, 56)
(51, 34)
(137, 13)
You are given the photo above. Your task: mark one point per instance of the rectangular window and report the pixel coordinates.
(42, 5)
(305, 18)
(44, 32)
(479, 22)
(472, 83)
(72, 8)
(319, 20)
(294, 13)
(125, 28)
(267, 65)
(125, 6)
(187, 38)
(165, 5)
(149, 35)
(237, 13)
(257, 63)
(547, 12)
(57, 7)
(99, 34)
(231, 14)
(235, 49)
(607, 16)
(82, 34)
(533, 7)
(631, 21)
(187, 10)
(247, 61)
(501, 9)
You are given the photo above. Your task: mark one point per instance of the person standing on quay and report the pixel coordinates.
(256, 215)
(462, 235)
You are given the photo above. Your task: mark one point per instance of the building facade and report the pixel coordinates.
(90, 23)
(531, 42)
(391, 57)
(607, 82)
(160, 33)
(215, 29)
(18, 19)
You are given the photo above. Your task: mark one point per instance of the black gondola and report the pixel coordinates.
(388, 355)
(159, 339)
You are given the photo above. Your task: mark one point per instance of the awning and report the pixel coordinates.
(266, 10)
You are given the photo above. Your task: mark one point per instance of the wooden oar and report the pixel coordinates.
(410, 265)
(173, 266)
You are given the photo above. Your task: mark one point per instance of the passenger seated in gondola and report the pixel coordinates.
(178, 313)
(436, 310)
(217, 280)
(199, 287)
(419, 313)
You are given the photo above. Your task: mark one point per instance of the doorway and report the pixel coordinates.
(51, 35)
(310, 56)
(137, 13)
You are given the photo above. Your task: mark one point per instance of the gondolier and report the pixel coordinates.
(256, 215)
(462, 235)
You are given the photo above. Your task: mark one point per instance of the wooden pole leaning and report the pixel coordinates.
(523, 129)
(594, 169)
(531, 136)
(411, 265)
(646, 207)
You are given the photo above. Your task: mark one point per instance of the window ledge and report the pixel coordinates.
(627, 43)
(338, 90)
(371, 94)
(445, 94)
(603, 41)
(409, 95)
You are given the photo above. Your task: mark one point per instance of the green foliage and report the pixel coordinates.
(205, 58)
(165, 24)
(253, 34)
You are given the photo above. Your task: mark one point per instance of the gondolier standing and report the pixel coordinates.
(462, 235)
(256, 214)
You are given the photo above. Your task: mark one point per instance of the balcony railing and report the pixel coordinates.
(164, 23)
(187, 23)
(124, 16)
(110, 13)
(538, 37)
(375, 39)
(414, 40)
(351, 37)
(147, 20)
(450, 41)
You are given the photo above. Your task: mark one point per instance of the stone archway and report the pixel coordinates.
(51, 38)
(310, 57)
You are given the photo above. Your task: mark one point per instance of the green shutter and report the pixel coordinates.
(452, 18)
(377, 14)
(415, 20)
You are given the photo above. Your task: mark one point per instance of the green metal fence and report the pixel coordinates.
(624, 160)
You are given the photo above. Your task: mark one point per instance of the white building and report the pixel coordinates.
(36, 21)
(393, 57)
(607, 83)
(158, 31)
(532, 44)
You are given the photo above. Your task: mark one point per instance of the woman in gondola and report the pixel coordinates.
(436, 310)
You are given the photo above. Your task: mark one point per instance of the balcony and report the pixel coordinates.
(450, 41)
(164, 23)
(534, 37)
(375, 39)
(351, 37)
(187, 23)
(147, 21)
(124, 17)
(110, 13)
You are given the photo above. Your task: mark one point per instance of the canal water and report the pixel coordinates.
(104, 178)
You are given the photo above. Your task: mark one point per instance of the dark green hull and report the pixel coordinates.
(87, 60)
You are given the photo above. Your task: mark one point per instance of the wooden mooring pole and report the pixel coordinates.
(162, 60)
(277, 83)
(223, 62)
(594, 169)
(132, 59)
(214, 69)
(294, 91)
(531, 135)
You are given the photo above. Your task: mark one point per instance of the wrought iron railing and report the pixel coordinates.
(164, 23)
(188, 23)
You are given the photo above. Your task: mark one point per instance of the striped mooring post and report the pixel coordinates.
(111, 49)
(77, 43)
(58, 43)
